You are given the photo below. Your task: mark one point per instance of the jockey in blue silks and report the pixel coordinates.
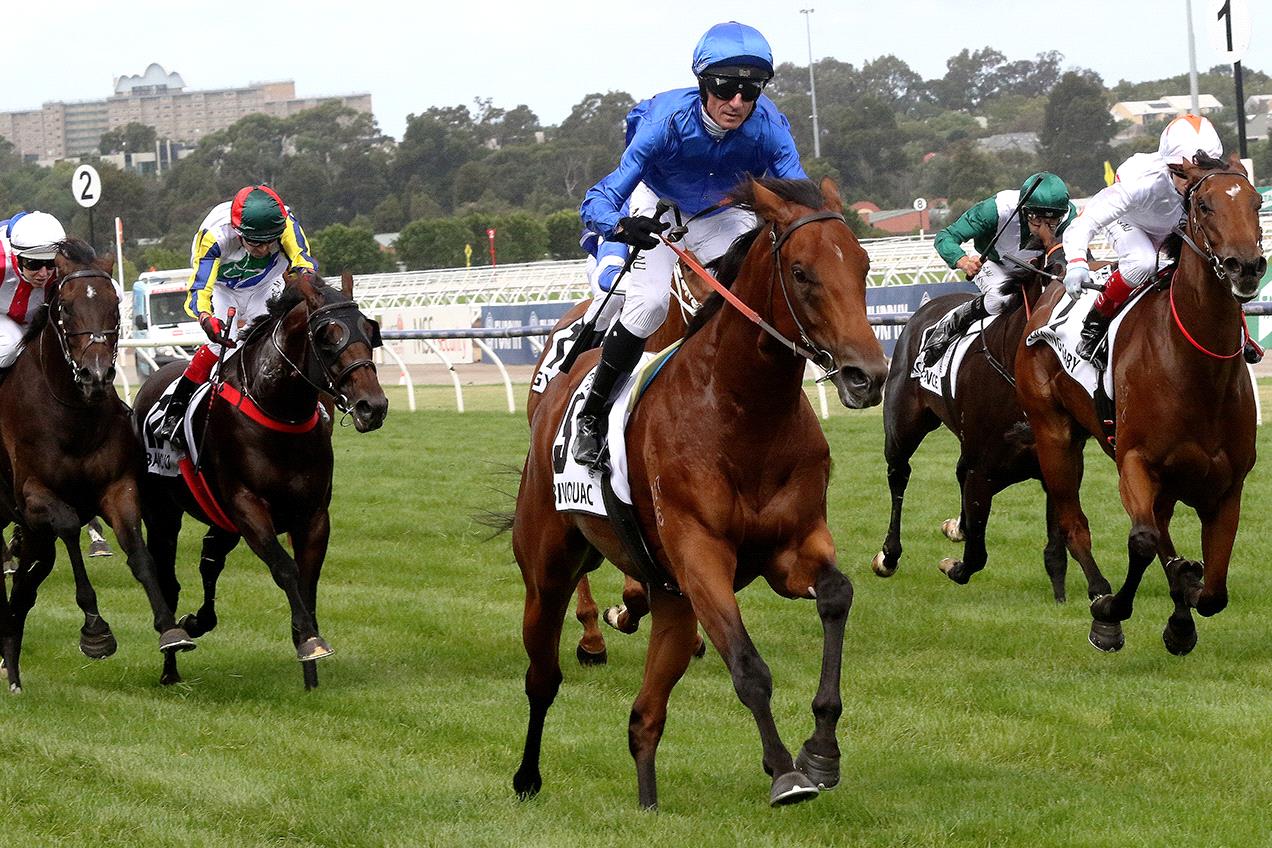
(688, 146)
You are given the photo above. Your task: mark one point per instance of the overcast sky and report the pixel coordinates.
(549, 54)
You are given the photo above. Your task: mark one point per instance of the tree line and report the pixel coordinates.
(887, 135)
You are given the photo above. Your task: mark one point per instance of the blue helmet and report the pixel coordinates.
(733, 49)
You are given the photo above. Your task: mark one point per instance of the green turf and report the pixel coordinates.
(973, 715)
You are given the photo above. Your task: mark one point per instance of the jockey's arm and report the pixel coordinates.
(978, 224)
(603, 203)
(206, 261)
(1107, 206)
(296, 247)
(784, 162)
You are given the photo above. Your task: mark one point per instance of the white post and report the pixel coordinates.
(1192, 61)
(119, 249)
(812, 84)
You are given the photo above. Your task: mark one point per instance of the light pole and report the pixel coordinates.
(812, 84)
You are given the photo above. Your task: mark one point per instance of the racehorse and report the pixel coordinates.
(1185, 414)
(267, 458)
(69, 454)
(688, 292)
(996, 449)
(728, 470)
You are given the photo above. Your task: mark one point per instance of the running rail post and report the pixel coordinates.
(512, 404)
(459, 390)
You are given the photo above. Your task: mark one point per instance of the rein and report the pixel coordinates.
(809, 350)
(79, 374)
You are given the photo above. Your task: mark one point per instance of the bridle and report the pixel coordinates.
(319, 368)
(809, 349)
(1208, 254)
(110, 338)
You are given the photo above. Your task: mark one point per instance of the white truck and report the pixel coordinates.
(158, 299)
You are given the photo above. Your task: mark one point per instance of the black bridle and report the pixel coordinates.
(321, 368)
(1206, 251)
(819, 356)
(110, 338)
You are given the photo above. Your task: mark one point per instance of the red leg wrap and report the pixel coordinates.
(200, 367)
(1115, 293)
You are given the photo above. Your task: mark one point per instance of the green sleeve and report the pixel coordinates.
(979, 223)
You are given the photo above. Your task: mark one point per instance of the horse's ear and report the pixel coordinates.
(769, 206)
(105, 263)
(1235, 163)
(1184, 170)
(346, 284)
(830, 191)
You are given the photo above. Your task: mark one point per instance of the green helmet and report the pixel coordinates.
(258, 214)
(1051, 195)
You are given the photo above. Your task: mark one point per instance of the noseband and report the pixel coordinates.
(110, 338)
(1208, 254)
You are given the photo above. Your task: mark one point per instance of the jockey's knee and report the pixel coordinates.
(642, 318)
(997, 302)
(1136, 272)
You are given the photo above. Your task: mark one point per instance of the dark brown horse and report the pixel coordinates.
(1184, 410)
(729, 470)
(996, 448)
(270, 472)
(69, 454)
(689, 290)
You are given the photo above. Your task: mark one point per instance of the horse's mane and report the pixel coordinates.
(73, 250)
(727, 267)
(278, 306)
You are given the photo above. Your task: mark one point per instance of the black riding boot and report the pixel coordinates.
(1094, 328)
(169, 427)
(620, 352)
(953, 325)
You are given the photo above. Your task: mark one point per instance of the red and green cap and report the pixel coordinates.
(258, 213)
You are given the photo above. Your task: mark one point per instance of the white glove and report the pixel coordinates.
(1076, 276)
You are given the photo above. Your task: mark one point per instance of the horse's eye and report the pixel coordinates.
(798, 273)
(1204, 206)
(333, 335)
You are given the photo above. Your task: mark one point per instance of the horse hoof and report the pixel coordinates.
(98, 646)
(953, 569)
(1179, 641)
(611, 616)
(879, 565)
(314, 648)
(791, 788)
(1102, 609)
(953, 530)
(172, 679)
(1106, 636)
(823, 771)
(587, 658)
(174, 640)
(527, 785)
(15, 689)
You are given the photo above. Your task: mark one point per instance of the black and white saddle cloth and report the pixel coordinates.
(559, 345)
(163, 455)
(942, 377)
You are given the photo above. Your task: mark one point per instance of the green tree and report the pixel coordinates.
(563, 234)
(1076, 131)
(520, 237)
(339, 248)
(130, 138)
(162, 258)
(436, 243)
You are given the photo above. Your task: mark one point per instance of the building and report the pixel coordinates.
(156, 98)
(1148, 113)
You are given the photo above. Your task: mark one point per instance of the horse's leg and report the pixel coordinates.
(217, 544)
(35, 561)
(708, 583)
(550, 554)
(122, 512)
(310, 544)
(1055, 559)
(1139, 489)
(591, 647)
(257, 528)
(1218, 533)
(672, 639)
(625, 618)
(906, 423)
(978, 495)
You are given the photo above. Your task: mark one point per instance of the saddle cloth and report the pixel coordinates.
(945, 370)
(559, 345)
(1063, 331)
(577, 488)
(163, 457)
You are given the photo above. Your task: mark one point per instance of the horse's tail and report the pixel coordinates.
(1021, 435)
(498, 520)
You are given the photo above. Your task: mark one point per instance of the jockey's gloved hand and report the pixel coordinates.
(215, 329)
(640, 231)
(1075, 277)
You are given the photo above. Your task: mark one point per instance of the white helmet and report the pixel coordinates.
(35, 235)
(1187, 134)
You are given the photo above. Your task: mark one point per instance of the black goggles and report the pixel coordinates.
(36, 264)
(726, 88)
(1043, 215)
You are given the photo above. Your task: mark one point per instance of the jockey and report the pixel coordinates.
(240, 254)
(689, 146)
(1140, 210)
(992, 271)
(28, 248)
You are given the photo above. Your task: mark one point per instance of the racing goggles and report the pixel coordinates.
(726, 88)
(36, 264)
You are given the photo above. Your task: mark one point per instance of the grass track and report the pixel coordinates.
(974, 715)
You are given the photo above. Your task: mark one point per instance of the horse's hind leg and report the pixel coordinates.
(978, 494)
(216, 546)
(906, 422)
(550, 555)
(672, 640)
(35, 561)
(1055, 559)
(591, 647)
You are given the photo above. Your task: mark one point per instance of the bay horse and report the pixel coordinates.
(69, 454)
(729, 470)
(996, 447)
(267, 455)
(689, 291)
(1185, 413)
